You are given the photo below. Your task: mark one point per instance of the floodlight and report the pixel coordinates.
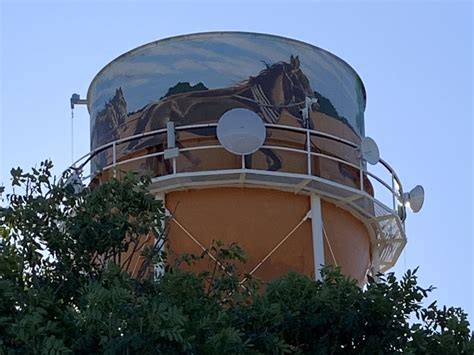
(241, 131)
(415, 198)
(369, 151)
(74, 180)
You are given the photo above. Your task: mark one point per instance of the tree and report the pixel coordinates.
(65, 287)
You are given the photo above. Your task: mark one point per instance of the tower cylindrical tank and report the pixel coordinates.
(304, 199)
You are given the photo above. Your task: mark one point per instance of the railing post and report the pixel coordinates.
(394, 202)
(174, 165)
(308, 151)
(361, 174)
(243, 161)
(375, 260)
(114, 159)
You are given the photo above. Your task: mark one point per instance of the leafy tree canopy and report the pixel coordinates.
(65, 288)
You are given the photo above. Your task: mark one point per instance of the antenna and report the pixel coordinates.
(369, 151)
(308, 104)
(241, 131)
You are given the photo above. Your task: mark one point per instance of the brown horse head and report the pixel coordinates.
(297, 82)
(284, 85)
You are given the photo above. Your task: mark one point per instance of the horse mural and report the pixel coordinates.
(280, 86)
(280, 89)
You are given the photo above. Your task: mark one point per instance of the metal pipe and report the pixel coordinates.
(318, 238)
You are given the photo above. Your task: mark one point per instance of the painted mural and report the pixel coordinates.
(195, 79)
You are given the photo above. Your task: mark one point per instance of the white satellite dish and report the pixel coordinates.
(241, 131)
(415, 198)
(369, 151)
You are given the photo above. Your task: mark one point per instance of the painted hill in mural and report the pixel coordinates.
(183, 87)
(112, 116)
(326, 107)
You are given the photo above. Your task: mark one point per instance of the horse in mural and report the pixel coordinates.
(280, 86)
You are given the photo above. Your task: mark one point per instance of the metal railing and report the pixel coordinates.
(384, 217)
(394, 186)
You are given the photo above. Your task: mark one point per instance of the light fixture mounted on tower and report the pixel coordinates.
(414, 199)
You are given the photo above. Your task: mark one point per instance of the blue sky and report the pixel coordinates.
(415, 59)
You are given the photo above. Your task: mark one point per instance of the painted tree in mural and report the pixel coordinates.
(63, 289)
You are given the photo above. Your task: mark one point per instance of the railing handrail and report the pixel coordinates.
(308, 132)
(206, 125)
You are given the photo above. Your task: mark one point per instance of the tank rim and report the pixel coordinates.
(215, 34)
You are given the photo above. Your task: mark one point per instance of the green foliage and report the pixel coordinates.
(64, 288)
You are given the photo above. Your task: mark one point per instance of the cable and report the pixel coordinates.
(277, 246)
(72, 136)
(330, 248)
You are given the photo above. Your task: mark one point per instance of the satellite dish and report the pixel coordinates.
(241, 131)
(415, 198)
(369, 150)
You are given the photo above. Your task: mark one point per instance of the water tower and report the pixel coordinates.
(254, 139)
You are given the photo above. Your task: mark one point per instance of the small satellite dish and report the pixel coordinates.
(415, 198)
(241, 131)
(369, 150)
